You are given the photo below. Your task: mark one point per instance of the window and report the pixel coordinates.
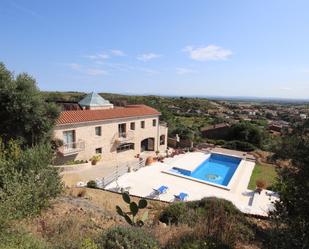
(132, 126)
(125, 147)
(154, 122)
(162, 139)
(69, 138)
(98, 150)
(98, 131)
(122, 130)
(143, 124)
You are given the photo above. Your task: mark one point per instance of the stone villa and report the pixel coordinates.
(101, 128)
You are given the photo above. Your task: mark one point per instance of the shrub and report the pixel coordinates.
(211, 218)
(56, 143)
(206, 204)
(20, 240)
(246, 132)
(92, 184)
(126, 237)
(219, 142)
(27, 180)
(175, 213)
(88, 244)
(239, 145)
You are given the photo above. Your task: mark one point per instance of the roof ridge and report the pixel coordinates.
(78, 116)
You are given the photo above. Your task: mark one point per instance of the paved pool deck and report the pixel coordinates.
(142, 182)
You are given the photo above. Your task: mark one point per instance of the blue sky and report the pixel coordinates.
(219, 47)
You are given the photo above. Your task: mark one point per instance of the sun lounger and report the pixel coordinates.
(181, 197)
(161, 190)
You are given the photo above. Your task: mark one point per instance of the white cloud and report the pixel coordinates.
(99, 56)
(86, 70)
(117, 52)
(182, 70)
(148, 56)
(208, 53)
(105, 55)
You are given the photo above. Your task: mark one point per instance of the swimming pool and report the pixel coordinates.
(217, 169)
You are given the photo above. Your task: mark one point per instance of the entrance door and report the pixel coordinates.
(147, 144)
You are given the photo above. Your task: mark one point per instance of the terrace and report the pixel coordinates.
(142, 182)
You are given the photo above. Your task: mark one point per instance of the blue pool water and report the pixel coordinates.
(217, 169)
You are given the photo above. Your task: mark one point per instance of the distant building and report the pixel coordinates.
(275, 128)
(279, 126)
(101, 128)
(303, 116)
(218, 131)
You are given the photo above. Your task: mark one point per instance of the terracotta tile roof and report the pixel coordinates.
(70, 117)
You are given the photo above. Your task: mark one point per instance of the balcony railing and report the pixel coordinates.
(72, 148)
(123, 137)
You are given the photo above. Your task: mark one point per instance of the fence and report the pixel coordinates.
(120, 170)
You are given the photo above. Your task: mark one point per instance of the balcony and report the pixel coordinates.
(72, 148)
(123, 137)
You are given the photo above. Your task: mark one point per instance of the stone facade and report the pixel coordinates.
(111, 144)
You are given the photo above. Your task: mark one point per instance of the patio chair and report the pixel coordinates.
(181, 197)
(160, 190)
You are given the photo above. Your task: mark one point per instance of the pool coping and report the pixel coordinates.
(228, 187)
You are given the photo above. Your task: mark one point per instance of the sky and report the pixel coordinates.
(256, 48)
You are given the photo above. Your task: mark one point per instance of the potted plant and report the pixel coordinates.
(94, 159)
(260, 185)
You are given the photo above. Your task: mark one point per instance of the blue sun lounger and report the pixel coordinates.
(181, 197)
(161, 190)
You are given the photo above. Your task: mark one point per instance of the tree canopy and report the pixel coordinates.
(246, 132)
(293, 188)
(27, 181)
(24, 114)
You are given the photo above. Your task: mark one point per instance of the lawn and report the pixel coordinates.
(264, 172)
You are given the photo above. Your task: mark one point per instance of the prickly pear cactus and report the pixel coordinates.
(132, 217)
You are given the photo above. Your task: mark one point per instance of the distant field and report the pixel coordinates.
(264, 172)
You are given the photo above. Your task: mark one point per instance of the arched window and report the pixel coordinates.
(162, 139)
